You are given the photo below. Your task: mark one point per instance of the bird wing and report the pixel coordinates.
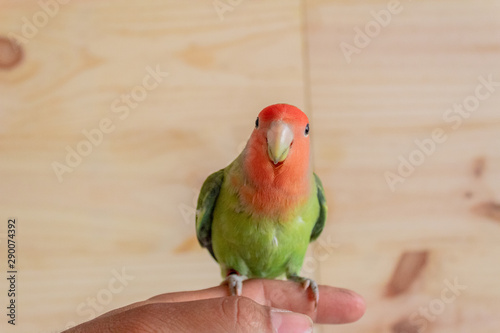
(205, 209)
(320, 222)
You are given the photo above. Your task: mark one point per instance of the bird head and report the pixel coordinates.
(282, 131)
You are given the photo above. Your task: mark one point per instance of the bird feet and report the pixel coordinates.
(307, 284)
(235, 283)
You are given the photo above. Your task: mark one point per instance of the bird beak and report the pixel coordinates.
(279, 139)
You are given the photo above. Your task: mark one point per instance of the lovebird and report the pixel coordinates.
(258, 215)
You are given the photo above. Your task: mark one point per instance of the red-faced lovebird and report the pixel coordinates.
(257, 216)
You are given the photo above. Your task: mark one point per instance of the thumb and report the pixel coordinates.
(233, 314)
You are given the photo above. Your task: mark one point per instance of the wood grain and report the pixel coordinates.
(369, 113)
(128, 206)
(408, 268)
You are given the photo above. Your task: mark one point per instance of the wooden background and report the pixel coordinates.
(127, 208)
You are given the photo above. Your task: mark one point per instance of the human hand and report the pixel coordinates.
(260, 309)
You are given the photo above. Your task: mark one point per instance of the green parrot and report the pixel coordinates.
(258, 215)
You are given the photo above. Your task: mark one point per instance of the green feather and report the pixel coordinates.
(320, 222)
(204, 210)
(251, 244)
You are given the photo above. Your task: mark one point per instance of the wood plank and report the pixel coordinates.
(130, 202)
(366, 114)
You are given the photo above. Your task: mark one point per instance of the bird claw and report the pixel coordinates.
(235, 283)
(308, 284)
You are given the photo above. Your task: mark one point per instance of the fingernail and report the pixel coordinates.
(290, 322)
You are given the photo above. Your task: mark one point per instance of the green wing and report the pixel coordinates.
(320, 222)
(205, 209)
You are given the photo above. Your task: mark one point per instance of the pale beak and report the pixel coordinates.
(279, 139)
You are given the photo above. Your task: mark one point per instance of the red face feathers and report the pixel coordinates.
(276, 160)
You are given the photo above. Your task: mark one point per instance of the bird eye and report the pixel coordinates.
(257, 122)
(306, 131)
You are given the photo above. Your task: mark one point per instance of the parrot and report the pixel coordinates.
(258, 215)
